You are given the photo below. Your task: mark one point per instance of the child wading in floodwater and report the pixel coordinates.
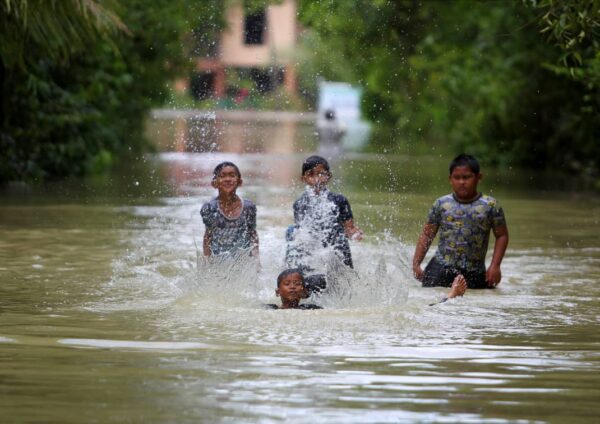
(230, 221)
(464, 219)
(323, 219)
(291, 289)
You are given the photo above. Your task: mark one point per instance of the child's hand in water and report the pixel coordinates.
(418, 272)
(352, 231)
(357, 236)
(493, 276)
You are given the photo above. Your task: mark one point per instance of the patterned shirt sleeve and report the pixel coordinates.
(435, 213)
(207, 215)
(497, 215)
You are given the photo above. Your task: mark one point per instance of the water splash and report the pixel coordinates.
(348, 288)
(228, 279)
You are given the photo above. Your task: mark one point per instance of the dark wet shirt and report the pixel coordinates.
(324, 214)
(302, 306)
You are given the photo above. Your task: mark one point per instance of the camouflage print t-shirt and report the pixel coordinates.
(464, 230)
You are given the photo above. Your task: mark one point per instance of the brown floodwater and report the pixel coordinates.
(106, 314)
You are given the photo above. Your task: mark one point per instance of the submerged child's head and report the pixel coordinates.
(316, 172)
(464, 176)
(290, 286)
(226, 177)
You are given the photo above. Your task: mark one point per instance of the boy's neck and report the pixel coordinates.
(468, 200)
(227, 198)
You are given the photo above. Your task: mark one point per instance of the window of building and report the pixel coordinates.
(255, 25)
(267, 79)
(202, 85)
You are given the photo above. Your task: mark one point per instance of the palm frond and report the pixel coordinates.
(51, 28)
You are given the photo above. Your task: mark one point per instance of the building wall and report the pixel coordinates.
(279, 38)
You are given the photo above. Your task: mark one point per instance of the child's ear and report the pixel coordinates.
(277, 292)
(213, 183)
(240, 181)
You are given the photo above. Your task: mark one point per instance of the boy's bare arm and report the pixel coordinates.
(425, 240)
(352, 231)
(493, 274)
(206, 243)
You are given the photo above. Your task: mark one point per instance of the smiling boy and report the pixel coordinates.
(230, 221)
(464, 220)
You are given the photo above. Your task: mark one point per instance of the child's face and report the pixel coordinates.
(464, 182)
(227, 181)
(317, 178)
(291, 288)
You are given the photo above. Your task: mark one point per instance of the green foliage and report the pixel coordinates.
(60, 122)
(78, 81)
(513, 82)
(574, 27)
(317, 60)
(31, 29)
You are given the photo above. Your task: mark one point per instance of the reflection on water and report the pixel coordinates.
(109, 315)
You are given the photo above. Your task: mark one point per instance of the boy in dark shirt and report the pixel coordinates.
(464, 219)
(291, 289)
(323, 219)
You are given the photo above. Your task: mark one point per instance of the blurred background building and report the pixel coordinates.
(254, 51)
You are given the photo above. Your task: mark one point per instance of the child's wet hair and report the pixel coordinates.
(312, 162)
(222, 165)
(465, 160)
(287, 272)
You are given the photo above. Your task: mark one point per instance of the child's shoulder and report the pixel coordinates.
(308, 306)
(485, 202)
(303, 198)
(486, 198)
(337, 198)
(445, 198)
(248, 203)
(445, 201)
(301, 306)
(210, 205)
(448, 200)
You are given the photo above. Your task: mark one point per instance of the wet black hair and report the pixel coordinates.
(222, 165)
(287, 272)
(312, 162)
(329, 114)
(465, 160)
